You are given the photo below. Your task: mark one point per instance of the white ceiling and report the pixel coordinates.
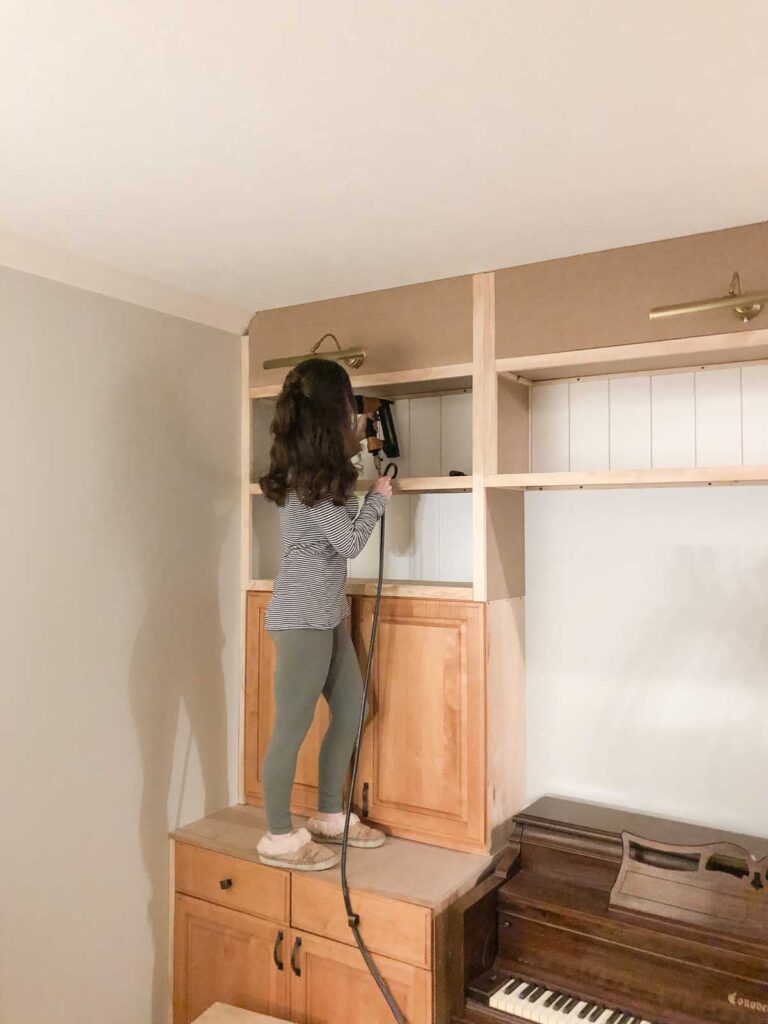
(263, 154)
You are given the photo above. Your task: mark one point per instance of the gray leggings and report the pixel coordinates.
(311, 662)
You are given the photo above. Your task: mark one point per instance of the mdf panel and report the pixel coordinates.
(602, 299)
(260, 715)
(397, 547)
(262, 413)
(514, 426)
(550, 413)
(505, 675)
(589, 422)
(754, 385)
(223, 955)
(455, 434)
(718, 417)
(505, 544)
(400, 328)
(455, 530)
(425, 433)
(334, 986)
(266, 542)
(425, 537)
(673, 419)
(630, 423)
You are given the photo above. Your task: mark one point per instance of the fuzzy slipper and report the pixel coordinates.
(359, 834)
(302, 855)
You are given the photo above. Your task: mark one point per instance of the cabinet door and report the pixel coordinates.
(223, 955)
(260, 715)
(334, 985)
(422, 771)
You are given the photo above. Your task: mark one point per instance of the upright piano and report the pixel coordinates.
(611, 917)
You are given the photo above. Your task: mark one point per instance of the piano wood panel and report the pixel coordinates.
(549, 909)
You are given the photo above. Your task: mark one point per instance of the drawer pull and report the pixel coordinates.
(365, 800)
(226, 883)
(294, 953)
(276, 952)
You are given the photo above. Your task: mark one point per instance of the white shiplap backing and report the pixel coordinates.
(705, 418)
(428, 536)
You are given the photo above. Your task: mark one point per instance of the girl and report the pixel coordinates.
(311, 478)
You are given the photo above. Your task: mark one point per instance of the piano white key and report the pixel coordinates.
(500, 1000)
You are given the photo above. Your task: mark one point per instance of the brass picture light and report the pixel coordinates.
(745, 305)
(352, 357)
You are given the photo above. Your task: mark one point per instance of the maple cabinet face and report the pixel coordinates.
(423, 757)
(223, 955)
(260, 715)
(334, 985)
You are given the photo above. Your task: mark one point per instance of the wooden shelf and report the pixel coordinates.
(395, 588)
(399, 383)
(415, 485)
(629, 478)
(679, 354)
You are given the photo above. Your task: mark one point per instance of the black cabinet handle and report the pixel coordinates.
(365, 800)
(226, 883)
(276, 951)
(294, 953)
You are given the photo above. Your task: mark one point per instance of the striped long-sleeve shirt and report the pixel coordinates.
(309, 591)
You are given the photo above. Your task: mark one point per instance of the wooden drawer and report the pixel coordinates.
(254, 888)
(388, 927)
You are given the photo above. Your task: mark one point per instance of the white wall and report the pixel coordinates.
(647, 650)
(118, 709)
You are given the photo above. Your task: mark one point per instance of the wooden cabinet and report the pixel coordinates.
(230, 941)
(423, 761)
(392, 928)
(224, 955)
(422, 772)
(331, 984)
(260, 715)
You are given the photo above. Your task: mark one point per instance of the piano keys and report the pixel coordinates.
(611, 917)
(529, 1001)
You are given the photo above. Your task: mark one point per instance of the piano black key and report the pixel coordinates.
(526, 991)
(555, 995)
(560, 1002)
(598, 1011)
(567, 1007)
(614, 1018)
(536, 995)
(587, 1010)
(512, 985)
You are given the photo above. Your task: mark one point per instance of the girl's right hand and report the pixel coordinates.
(383, 486)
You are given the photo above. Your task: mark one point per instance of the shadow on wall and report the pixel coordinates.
(173, 525)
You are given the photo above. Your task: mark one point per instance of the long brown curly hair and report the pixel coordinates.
(313, 430)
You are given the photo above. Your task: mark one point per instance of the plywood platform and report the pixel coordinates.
(414, 872)
(221, 1014)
